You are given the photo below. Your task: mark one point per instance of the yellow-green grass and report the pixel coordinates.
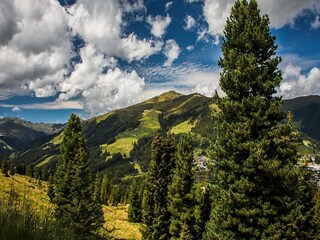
(137, 167)
(164, 97)
(116, 222)
(214, 107)
(8, 146)
(45, 161)
(57, 139)
(35, 192)
(183, 127)
(103, 117)
(25, 188)
(149, 124)
(181, 108)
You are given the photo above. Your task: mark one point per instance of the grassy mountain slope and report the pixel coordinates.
(34, 192)
(132, 128)
(306, 112)
(17, 134)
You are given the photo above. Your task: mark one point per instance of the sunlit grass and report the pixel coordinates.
(149, 124)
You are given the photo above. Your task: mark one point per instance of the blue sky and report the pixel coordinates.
(93, 56)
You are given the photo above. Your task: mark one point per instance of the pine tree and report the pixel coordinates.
(51, 187)
(181, 191)
(29, 171)
(97, 188)
(74, 184)
(11, 169)
(105, 190)
(256, 179)
(5, 167)
(156, 215)
(134, 211)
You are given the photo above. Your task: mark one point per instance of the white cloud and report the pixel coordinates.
(106, 35)
(171, 51)
(316, 23)
(16, 109)
(168, 5)
(190, 22)
(100, 91)
(186, 78)
(190, 47)
(134, 49)
(193, 1)
(159, 24)
(36, 48)
(203, 35)
(280, 13)
(46, 106)
(295, 83)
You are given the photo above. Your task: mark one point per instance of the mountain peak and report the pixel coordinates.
(170, 95)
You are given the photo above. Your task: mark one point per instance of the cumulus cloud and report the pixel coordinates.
(36, 49)
(8, 21)
(171, 51)
(159, 24)
(190, 22)
(106, 35)
(280, 13)
(295, 83)
(100, 91)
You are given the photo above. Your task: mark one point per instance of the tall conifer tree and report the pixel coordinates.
(5, 167)
(156, 215)
(257, 189)
(181, 191)
(134, 211)
(74, 184)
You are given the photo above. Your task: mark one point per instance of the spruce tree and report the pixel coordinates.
(5, 167)
(105, 189)
(156, 214)
(29, 171)
(134, 211)
(181, 191)
(11, 169)
(74, 184)
(256, 178)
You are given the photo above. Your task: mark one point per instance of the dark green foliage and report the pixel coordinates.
(21, 169)
(156, 214)
(38, 173)
(12, 169)
(105, 189)
(306, 111)
(5, 167)
(257, 190)
(181, 190)
(45, 173)
(51, 188)
(141, 152)
(74, 184)
(29, 171)
(203, 209)
(134, 211)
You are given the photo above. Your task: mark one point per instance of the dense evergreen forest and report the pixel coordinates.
(250, 184)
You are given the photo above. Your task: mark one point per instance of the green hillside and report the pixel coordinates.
(17, 134)
(129, 131)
